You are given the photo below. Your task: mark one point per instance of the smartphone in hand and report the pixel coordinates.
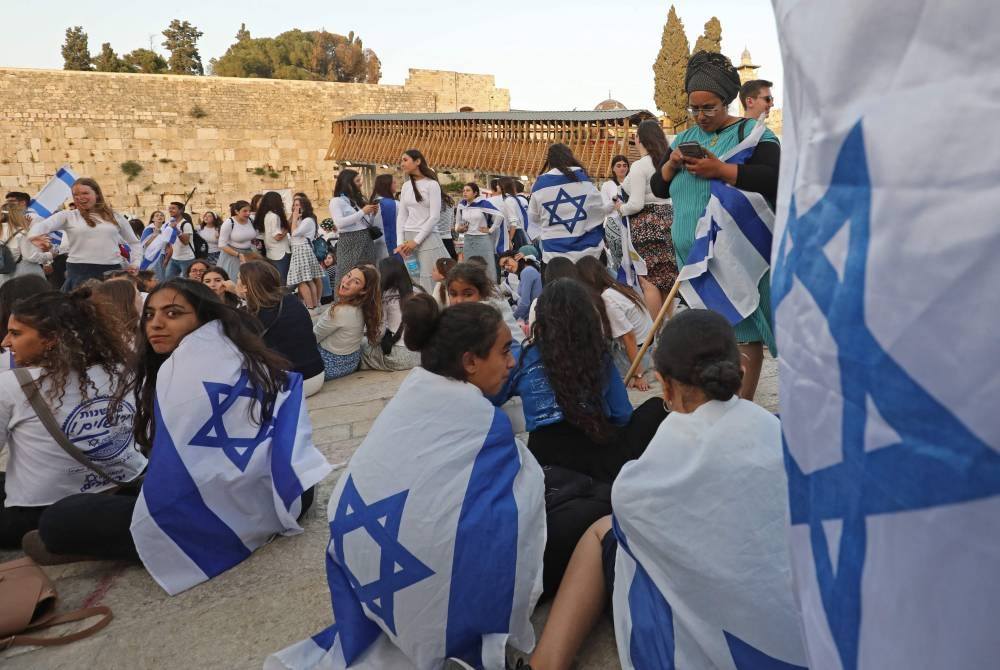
(692, 150)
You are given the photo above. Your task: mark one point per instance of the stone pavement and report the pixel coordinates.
(277, 597)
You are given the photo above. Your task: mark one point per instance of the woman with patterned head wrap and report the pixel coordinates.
(712, 83)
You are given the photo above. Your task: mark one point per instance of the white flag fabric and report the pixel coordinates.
(885, 292)
(570, 215)
(632, 265)
(437, 531)
(702, 575)
(219, 485)
(58, 190)
(501, 236)
(732, 245)
(154, 250)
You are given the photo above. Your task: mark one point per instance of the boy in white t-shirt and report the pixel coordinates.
(183, 249)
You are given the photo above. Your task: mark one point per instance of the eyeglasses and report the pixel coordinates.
(765, 98)
(707, 111)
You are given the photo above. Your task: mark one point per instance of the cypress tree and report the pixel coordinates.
(75, 52)
(668, 70)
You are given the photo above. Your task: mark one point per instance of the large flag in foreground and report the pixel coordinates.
(58, 190)
(732, 244)
(437, 529)
(885, 292)
(219, 485)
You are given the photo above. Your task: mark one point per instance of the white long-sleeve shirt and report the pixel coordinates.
(275, 249)
(512, 211)
(97, 245)
(346, 217)
(21, 248)
(304, 232)
(418, 217)
(475, 219)
(636, 184)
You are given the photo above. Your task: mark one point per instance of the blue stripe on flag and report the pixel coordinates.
(715, 299)
(738, 205)
(700, 248)
(325, 638)
(357, 631)
(550, 180)
(589, 240)
(285, 428)
(175, 504)
(651, 644)
(746, 657)
(741, 157)
(65, 176)
(485, 561)
(39, 209)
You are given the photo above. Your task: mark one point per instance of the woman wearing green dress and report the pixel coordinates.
(712, 83)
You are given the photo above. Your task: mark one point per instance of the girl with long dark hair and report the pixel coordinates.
(71, 357)
(417, 215)
(344, 326)
(627, 317)
(95, 231)
(611, 193)
(468, 282)
(479, 226)
(271, 221)
(353, 216)
(567, 207)
(285, 322)
(236, 238)
(304, 272)
(209, 231)
(16, 289)
(384, 195)
(650, 217)
(221, 285)
(390, 353)
(578, 416)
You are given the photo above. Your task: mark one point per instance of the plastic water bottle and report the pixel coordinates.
(412, 265)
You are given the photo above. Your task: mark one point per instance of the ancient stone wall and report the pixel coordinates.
(226, 137)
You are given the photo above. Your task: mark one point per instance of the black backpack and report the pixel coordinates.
(198, 244)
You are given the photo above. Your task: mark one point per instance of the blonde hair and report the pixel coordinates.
(101, 207)
(15, 219)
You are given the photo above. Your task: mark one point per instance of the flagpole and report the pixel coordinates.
(665, 312)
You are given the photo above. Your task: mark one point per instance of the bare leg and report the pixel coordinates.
(305, 292)
(317, 285)
(578, 604)
(652, 296)
(753, 360)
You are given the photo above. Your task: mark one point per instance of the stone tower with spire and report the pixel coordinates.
(746, 68)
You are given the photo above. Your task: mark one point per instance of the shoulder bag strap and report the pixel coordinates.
(76, 615)
(741, 131)
(44, 414)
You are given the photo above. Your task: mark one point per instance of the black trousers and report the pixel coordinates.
(97, 525)
(15, 522)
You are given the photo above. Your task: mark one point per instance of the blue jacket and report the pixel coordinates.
(529, 381)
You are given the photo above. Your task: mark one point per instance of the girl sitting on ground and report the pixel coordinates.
(700, 539)
(344, 326)
(391, 354)
(468, 282)
(217, 279)
(529, 280)
(442, 267)
(70, 357)
(285, 322)
(629, 322)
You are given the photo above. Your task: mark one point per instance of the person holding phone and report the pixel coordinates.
(685, 175)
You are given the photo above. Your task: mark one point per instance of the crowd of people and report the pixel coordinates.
(524, 318)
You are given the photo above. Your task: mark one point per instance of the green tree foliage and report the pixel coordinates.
(75, 51)
(668, 70)
(711, 39)
(108, 60)
(144, 60)
(297, 54)
(182, 43)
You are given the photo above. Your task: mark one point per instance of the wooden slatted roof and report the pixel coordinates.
(502, 143)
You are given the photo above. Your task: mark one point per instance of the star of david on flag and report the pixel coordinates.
(214, 433)
(398, 568)
(884, 292)
(565, 201)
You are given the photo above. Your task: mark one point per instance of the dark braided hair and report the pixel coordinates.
(84, 334)
(569, 333)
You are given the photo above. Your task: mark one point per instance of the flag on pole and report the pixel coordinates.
(58, 190)
(437, 530)
(219, 484)
(732, 245)
(885, 303)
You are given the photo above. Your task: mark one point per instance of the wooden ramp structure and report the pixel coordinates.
(497, 143)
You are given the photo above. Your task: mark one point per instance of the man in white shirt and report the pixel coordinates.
(183, 250)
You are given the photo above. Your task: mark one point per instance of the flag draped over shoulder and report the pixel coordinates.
(570, 213)
(632, 264)
(154, 250)
(885, 303)
(732, 245)
(58, 190)
(702, 574)
(494, 216)
(437, 530)
(219, 485)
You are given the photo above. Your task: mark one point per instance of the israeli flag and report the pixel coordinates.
(632, 264)
(531, 229)
(153, 251)
(702, 573)
(570, 215)
(58, 190)
(494, 216)
(884, 289)
(732, 245)
(219, 484)
(437, 529)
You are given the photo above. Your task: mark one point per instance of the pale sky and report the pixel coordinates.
(562, 54)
